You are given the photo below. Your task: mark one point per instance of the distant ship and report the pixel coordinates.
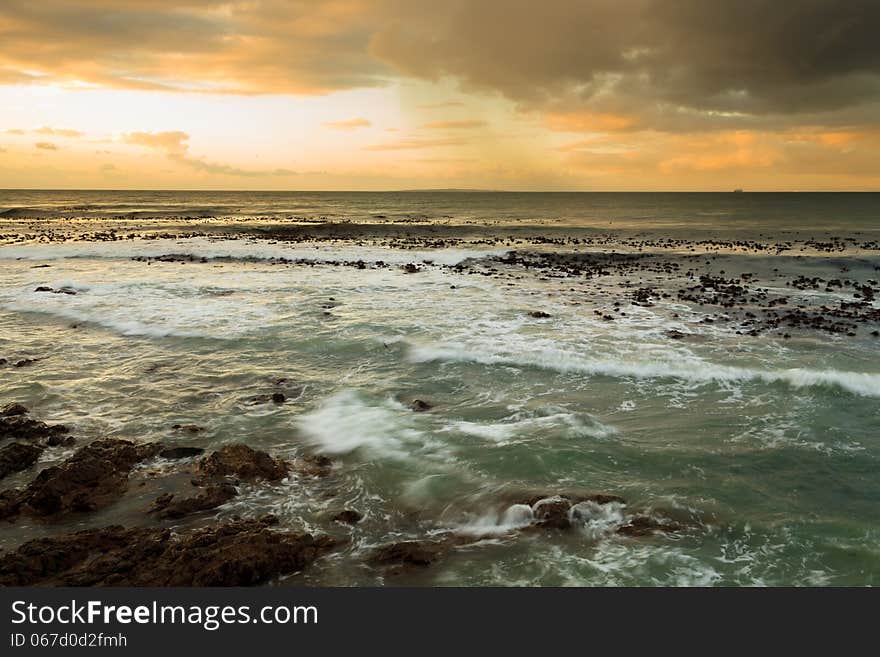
(737, 191)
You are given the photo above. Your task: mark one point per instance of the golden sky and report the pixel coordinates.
(394, 94)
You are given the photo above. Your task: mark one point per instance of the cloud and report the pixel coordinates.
(449, 125)
(259, 46)
(172, 142)
(175, 145)
(15, 131)
(413, 144)
(666, 64)
(348, 124)
(673, 65)
(59, 132)
(445, 105)
(46, 146)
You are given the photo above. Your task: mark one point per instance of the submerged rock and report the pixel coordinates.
(188, 428)
(92, 478)
(13, 409)
(420, 405)
(539, 314)
(313, 465)
(243, 462)
(168, 507)
(552, 512)
(17, 457)
(19, 426)
(241, 553)
(412, 553)
(348, 517)
(181, 452)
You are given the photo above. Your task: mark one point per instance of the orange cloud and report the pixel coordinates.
(452, 125)
(410, 144)
(46, 146)
(589, 122)
(349, 124)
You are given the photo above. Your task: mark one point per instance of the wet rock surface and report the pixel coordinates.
(95, 476)
(241, 462)
(17, 457)
(241, 553)
(348, 517)
(181, 452)
(170, 506)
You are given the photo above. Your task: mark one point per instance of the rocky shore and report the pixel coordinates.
(237, 552)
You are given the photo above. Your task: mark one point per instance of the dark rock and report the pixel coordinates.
(57, 440)
(22, 427)
(94, 477)
(413, 553)
(278, 398)
(314, 465)
(420, 405)
(410, 268)
(644, 525)
(24, 362)
(11, 410)
(539, 314)
(43, 288)
(552, 512)
(243, 462)
(16, 457)
(181, 452)
(348, 517)
(241, 553)
(167, 507)
(188, 428)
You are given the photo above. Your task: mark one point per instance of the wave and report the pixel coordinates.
(692, 370)
(199, 247)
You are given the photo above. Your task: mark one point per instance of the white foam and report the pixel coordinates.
(597, 520)
(695, 370)
(508, 430)
(346, 422)
(201, 247)
(512, 518)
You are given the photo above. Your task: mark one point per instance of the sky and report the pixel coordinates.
(588, 95)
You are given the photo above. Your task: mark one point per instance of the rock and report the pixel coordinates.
(314, 465)
(57, 440)
(21, 427)
(24, 362)
(18, 456)
(552, 512)
(243, 462)
(94, 477)
(188, 428)
(241, 553)
(420, 405)
(644, 525)
(539, 314)
(181, 452)
(14, 409)
(43, 288)
(410, 268)
(166, 506)
(278, 398)
(348, 517)
(413, 553)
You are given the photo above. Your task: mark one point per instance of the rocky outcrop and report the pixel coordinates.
(241, 553)
(16, 457)
(241, 462)
(92, 478)
(171, 507)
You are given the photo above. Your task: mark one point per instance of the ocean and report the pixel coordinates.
(694, 376)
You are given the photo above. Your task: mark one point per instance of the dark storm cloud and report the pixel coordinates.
(666, 64)
(658, 59)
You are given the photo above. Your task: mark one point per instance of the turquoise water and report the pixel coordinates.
(764, 447)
